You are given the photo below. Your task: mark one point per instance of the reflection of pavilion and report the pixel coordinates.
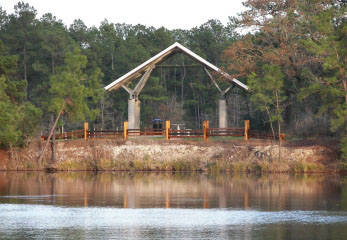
(145, 70)
(139, 190)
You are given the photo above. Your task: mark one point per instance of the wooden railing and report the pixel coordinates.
(186, 133)
(169, 133)
(105, 134)
(264, 135)
(146, 132)
(237, 132)
(67, 135)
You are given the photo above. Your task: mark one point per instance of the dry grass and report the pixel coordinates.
(235, 156)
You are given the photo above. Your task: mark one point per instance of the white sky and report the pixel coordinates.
(183, 14)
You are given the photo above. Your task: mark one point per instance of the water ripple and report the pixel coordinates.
(28, 216)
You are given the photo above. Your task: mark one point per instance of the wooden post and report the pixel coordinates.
(85, 132)
(125, 130)
(246, 130)
(282, 137)
(206, 126)
(204, 130)
(167, 200)
(167, 129)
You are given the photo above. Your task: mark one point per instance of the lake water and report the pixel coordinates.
(123, 205)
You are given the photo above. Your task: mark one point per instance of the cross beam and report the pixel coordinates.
(134, 93)
(222, 103)
(134, 102)
(222, 93)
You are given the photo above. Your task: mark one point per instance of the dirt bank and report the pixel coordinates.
(149, 154)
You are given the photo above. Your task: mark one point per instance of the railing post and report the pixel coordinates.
(125, 130)
(246, 130)
(206, 126)
(167, 129)
(85, 132)
(282, 137)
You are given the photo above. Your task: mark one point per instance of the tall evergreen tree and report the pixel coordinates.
(72, 90)
(18, 119)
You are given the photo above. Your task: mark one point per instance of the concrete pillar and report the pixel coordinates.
(137, 116)
(134, 113)
(223, 115)
(131, 113)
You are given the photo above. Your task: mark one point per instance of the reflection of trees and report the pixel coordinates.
(130, 189)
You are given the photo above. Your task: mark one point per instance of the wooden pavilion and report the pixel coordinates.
(144, 71)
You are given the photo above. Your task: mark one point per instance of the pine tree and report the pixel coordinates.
(268, 95)
(73, 90)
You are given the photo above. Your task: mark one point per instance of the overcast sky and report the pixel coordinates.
(183, 14)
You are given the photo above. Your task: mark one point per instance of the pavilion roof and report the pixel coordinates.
(162, 56)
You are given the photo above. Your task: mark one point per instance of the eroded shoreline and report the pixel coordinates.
(160, 155)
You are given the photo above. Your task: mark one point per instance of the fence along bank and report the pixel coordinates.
(168, 133)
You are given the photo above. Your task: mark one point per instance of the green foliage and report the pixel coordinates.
(9, 132)
(330, 83)
(29, 120)
(72, 89)
(344, 147)
(18, 119)
(267, 91)
(298, 52)
(55, 40)
(154, 91)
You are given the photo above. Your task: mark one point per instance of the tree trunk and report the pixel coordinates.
(112, 60)
(25, 69)
(53, 143)
(195, 108)
(53, 67)
(279, 125)
(182, 85)
(175, 82)
(25, 61)
(279, 139)
(199, 117)
(49, 136)
(345, 88)
(102, 113)
(271, 125)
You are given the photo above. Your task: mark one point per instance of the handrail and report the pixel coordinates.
(170, 133)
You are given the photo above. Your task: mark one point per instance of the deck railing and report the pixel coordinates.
(168, 133)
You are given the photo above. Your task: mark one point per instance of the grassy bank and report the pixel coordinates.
(183, 156)
(191, 165)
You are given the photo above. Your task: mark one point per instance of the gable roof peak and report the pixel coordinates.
(162, 56)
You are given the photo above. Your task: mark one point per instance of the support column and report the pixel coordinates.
(137, 114)
(131, 113)
(223, 115)
(134, 113)
(134, 103)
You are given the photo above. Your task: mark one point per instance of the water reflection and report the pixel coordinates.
(171, 206)
(170, 190)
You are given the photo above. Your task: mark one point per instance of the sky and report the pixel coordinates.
(183, 14)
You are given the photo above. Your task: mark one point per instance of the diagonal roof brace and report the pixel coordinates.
(217, 86)
(130, 91)
(134, 93)
(143, 80)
